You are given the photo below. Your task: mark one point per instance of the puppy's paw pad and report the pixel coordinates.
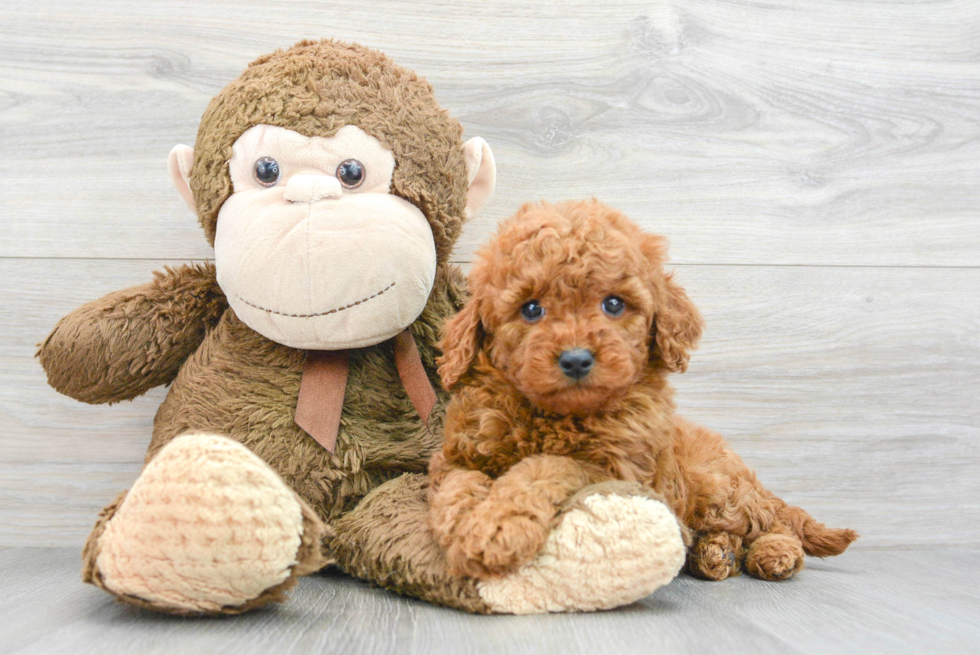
(208, 525)
(611, 551)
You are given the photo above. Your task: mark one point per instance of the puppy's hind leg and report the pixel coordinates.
(778, 553)
(726, 501)
(818, 540)
(715, 556)
(775, 555)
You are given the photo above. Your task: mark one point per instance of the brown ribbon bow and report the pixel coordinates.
(321, 391)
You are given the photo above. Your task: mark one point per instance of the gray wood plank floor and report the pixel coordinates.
(871, 601)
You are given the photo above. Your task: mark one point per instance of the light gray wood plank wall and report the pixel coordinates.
(816, 164)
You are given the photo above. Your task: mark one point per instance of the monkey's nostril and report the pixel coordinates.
(576, 363)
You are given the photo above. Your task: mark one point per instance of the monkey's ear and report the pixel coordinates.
(462, 336)
(481, 174)
(179, 164)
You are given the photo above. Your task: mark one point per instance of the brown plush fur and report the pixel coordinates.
(229, 380)
(521, 437)
(317, 87)
(387, 529)
(158, 325)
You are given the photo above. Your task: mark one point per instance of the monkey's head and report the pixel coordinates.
(332, 186)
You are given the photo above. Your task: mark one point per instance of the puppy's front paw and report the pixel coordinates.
(491, 542)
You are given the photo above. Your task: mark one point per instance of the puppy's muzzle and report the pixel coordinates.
(576, 363)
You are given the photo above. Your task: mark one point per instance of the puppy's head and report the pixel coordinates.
(572, 304)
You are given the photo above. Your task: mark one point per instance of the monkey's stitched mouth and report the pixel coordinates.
(332, 311)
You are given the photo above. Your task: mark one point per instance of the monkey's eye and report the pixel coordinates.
(266, 171)
(613, 305)
(532, 311)
(350, 173)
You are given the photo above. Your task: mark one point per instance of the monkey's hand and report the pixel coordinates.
(124, 344)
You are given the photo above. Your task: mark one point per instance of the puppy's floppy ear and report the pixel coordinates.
(677, 326)
(462, 336)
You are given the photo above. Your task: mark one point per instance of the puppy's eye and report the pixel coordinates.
(266, 171)
(350, 173)
(613, 305)
(532, 311)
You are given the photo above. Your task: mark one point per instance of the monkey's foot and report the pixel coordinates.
(614, 545)
(207, 528)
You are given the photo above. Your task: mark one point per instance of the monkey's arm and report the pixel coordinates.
(124, 344)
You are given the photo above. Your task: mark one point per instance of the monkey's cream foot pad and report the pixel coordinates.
(612, 551)
(207, 526)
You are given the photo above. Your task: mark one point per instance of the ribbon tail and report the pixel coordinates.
(321, 395)
(413, 375)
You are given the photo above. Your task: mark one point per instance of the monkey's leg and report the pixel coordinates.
(614, 543)
(208, 527)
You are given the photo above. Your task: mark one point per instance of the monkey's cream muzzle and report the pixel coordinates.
(325, 275)
(311, 264)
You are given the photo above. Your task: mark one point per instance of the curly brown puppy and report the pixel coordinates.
(559, 367)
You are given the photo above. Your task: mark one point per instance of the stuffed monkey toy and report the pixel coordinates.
(304, 400)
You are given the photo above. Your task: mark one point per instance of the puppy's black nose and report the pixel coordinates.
(576, 363)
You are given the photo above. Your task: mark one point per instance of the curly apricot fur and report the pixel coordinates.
(521, 437)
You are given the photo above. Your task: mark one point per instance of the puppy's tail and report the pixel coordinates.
(818, 540)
